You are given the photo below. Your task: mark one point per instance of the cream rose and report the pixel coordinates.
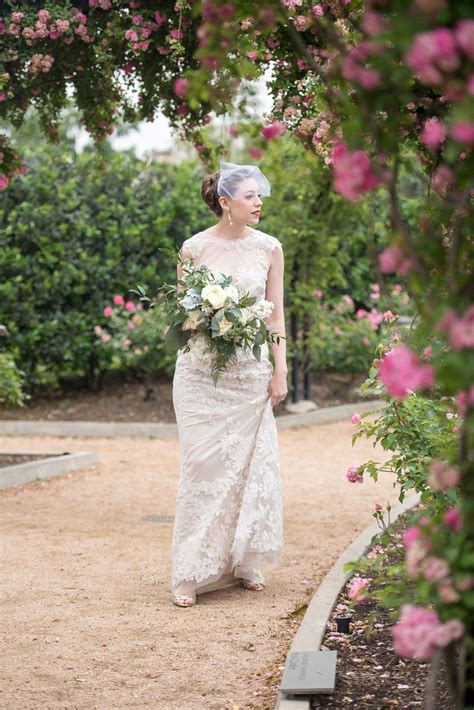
(192, 320)
(232, 293)
(224, 326)
(214, 294)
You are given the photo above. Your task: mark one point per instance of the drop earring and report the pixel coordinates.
(230, 219)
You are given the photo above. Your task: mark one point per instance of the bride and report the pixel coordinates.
(228, 519)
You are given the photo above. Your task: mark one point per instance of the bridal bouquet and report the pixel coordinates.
(208, 304)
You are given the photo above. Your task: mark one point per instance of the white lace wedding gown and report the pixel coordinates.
(228, 518)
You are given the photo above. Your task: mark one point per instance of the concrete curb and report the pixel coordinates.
(44, 468)
(168, 431)
(313, 627)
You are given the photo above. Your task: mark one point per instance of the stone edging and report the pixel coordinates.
(313, 627)
(323, 415)
(44, 468)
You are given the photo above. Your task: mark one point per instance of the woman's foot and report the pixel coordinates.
(185, 594)
(253, 586)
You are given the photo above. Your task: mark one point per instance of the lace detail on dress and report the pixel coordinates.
(228, 507)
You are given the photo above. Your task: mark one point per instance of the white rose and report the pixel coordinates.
(263, 308)
(224, 326)
(232, 293)
(192, 320)
(214, 294)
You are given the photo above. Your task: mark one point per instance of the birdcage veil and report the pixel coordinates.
(232, 174)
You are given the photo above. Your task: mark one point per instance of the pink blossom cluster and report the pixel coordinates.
(419, 632)
(375, 292)
(401, 372)
(119, 301)
(41, 63)
(353, 475)
(353, 67)
(393, 258)
(442, 475)
(460, 329)
(358, 587)
(352, 172)
(103, 4)
(274, 130)
(440, 52)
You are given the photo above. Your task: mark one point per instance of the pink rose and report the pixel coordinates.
(433, 134)
(352, 172)
(274, 130)
(393, 258)
(453, 519)
(357, 588)
(400, 371)
(105, 337)
(356, 418)
(3, 182)
(463, 132)
(108, 311)
(130, 306)
(435, 568)
(118, 300)
(353, 475)
(449, 631)
(464, 33)
(180, 87)
(441, 475)
(447, 593)
(414, 634)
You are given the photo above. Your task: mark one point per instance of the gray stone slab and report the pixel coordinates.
(309, 672)
(45, 468)
(169, 430)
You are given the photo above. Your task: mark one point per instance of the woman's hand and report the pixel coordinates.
(277, 387)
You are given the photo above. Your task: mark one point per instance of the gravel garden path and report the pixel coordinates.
(87, 615)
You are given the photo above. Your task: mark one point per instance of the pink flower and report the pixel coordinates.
(409, 537)
(108, 311)
(464, 33)
(393, 258)
(374, 318)
(463, 132)
(131, 35)
(118, 300)
(433, 134)
(337, 330)
(460, 329)
(414, 634)
(106, 337)
(97, 330)
(130, 306)
(361, 313)
(447, 593)
(435, 568)
(357, 588)
(352, 172)
(318, 293)
(449, 631)
(3, 182)
(353, 475)
(348, 300)
(400, 371)
(441, 475)
(356, 418)
(427, 353)
(180, 87)
(275, 129)
(159, 19)
(255, 153)
(378, 507)
(443, 177)
(126, 342)
(453, 519)
(130, 325)
(389, 317)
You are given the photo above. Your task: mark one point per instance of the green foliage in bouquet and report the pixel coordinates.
(206, 304)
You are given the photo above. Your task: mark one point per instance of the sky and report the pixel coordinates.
(159, 135)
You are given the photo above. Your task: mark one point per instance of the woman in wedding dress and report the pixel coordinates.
(228, 519)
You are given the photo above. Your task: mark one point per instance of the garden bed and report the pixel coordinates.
(124, 401)
(369, 672)
(15, 459)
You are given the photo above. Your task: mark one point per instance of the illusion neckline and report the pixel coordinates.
(234, 240)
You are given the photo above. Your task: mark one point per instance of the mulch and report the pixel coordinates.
(125, 400)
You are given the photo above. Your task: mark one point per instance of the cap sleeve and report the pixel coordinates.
(191, 246)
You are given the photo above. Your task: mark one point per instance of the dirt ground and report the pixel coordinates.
(87, 614)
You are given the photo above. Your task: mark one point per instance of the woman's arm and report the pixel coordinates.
(278, 387)
(185, 254)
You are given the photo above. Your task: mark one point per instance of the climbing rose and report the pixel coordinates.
(400, 371)
(130, 306)
(352, 172)
(357, 588)
(393, 258)
(118, 300)
(441, 475)
(409, 536)
(353, 475)
(274, 130)
(433, 133)
(180, 87)
(108, 311)
(463, 132)
(452, 519)
(419, 632)
(459, 329)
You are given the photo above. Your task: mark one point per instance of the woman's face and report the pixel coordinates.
(246, 203)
